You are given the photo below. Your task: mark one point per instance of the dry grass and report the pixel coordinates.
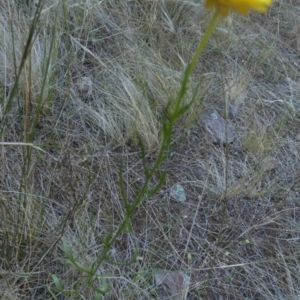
(97, 74)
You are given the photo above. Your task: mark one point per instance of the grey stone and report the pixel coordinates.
(178, 193)
(215, 127)
(171, 285)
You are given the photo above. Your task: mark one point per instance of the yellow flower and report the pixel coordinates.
(241, 6)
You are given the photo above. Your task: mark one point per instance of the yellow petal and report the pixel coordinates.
(210, 3)
(245, 5)
(241, 6)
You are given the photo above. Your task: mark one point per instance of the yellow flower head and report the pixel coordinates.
(241, 6)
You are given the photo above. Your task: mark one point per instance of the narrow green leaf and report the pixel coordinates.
(66, 249)
(57, 283)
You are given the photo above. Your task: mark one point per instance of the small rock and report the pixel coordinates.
(215, 127)
(171, 285)
(178, 193)
(269, 163)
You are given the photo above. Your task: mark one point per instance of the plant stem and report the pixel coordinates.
(190, 67)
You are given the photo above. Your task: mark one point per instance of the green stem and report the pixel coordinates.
(192, 63)
(161, 156)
